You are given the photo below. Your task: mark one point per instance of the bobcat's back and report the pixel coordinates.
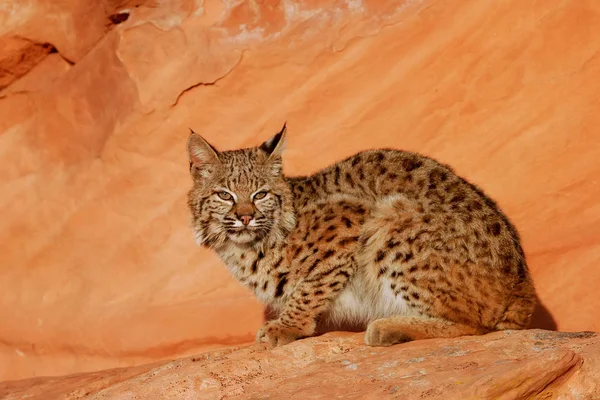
(432, 244)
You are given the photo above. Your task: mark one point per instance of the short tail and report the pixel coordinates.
(518, 313)
(397, 329)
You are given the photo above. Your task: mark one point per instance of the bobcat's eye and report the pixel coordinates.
(260, 195)
(224, 195)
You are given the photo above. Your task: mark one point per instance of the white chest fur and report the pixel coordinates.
(359, 306)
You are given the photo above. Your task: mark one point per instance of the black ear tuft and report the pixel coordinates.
(275, 143)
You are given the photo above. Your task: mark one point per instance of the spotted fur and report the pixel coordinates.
(386, 240)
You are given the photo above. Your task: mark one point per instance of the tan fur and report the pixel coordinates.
(386, 240)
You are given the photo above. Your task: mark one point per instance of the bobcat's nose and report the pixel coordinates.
(245, 219)
(245, 213)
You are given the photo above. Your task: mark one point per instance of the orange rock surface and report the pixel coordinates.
(505, 365)
(97, 263)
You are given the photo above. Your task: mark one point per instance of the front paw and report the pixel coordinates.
(275, 334)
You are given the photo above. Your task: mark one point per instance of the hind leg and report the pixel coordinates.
(397, 329)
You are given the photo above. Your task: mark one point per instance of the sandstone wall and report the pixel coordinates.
(97, 264)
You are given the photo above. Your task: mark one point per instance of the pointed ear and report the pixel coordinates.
(274, 147)
(202, 155)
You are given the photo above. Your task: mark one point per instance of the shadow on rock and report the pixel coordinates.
(542, 319)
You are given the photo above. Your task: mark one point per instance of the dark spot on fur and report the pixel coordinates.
(349, 179)
(265, 285)
(382, 171)
(313, 266)
(376, 157)
(382, 271)
(348, 240)
(427, 218)
(361, 173)
(328, 254)
(277, 263)
(336, 178)
(437, 176)
(411, 163)
(415, 295)
(280, 285)
(380, 256)
(344, 273)
(496, 228)
(412, 269)
(318, 292)
(392, 244)
(393, 286)
(347, 221)
(458, 198)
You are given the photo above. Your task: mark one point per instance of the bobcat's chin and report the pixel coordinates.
(245, 236)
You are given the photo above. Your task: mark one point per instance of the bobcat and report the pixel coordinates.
(387, 240)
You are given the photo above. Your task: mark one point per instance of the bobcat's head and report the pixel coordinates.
(239, 196)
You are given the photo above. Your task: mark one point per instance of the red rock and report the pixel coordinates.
(505, 365)
(97, 262)
(18, 56)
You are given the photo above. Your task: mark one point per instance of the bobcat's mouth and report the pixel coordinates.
(245, 234)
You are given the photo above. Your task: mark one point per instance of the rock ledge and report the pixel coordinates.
(504, 365)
